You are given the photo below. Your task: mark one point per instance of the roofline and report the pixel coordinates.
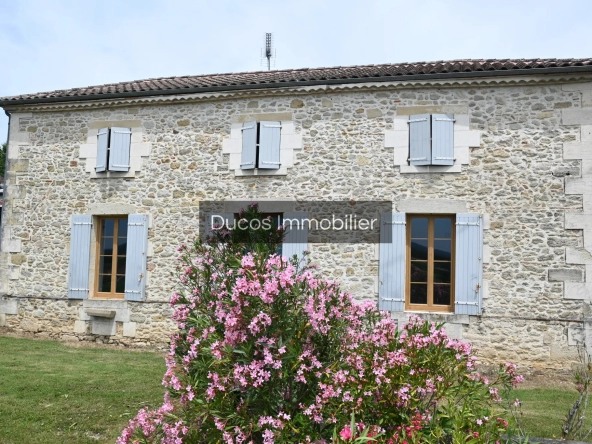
(512, 72)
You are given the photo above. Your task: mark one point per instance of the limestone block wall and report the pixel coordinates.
(524, 165)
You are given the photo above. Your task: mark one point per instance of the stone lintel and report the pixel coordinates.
(432, 109)
(432, 206)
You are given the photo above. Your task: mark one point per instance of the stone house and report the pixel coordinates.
(488, 164)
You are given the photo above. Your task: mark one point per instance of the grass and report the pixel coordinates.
(545, 409)
(51, 392)
(54, 393)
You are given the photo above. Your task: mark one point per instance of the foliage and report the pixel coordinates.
(573, 425)
(2, 159)
(269, 352)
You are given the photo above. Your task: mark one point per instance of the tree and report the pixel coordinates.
(2, 159)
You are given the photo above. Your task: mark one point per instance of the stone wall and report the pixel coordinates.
(528, 137)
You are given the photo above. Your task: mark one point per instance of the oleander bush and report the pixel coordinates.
(267, 351)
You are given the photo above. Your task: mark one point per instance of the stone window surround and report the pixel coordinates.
(398, 139)
(102, 210)
(453, 322)
(101, 325)
(289, 141)
(139, 149)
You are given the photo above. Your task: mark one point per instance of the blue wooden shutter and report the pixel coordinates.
(296, 239)
(469, 264)
(79, 256)
(269, 145)
(391, 269)
(135, 261)
(228, 220)
(102, 146)
(119, 149)
(420, 152)
(442, 139)
(249, 152)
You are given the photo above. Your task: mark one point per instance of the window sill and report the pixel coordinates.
(432, 316)
(283, 171)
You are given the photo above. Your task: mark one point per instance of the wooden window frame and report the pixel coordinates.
(112, 294)
(430, 306)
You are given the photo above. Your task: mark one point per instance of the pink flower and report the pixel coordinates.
(346, 433)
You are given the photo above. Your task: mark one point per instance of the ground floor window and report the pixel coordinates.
(430, 262)
(111, 257)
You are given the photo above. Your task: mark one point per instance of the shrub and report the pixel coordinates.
(269, 352)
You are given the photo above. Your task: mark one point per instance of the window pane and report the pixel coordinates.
(441, 294)
(419, 228)
(122, 246)
(442, 272)
(106, 246)
(419, 294)
(442, 250)
(442, 228)
(108, 226)
(419, 250)
(105, 264)
(105, 283)
(122, 228)
(419, 272)
(121, 265)
(120, 285)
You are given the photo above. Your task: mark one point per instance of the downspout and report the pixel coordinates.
(5, 177)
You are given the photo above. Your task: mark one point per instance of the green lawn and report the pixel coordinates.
(544, 409)
(51, 392)
(54, 393)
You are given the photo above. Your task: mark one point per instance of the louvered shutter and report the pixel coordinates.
(217, 219)
(296, 225)
(102, 146)
(269, 145)
(249, 152)
(469, 264)
(135, 261)
(391, 270)
(119, 149)
(79, 256)
(420, 152)
(442, 139)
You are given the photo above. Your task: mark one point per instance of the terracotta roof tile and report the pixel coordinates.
(175, 85)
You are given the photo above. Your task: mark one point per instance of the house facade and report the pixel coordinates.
(488, 165)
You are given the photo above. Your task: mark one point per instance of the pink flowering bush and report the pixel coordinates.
(269, 352)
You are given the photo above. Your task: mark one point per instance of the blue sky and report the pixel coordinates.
(57, 44)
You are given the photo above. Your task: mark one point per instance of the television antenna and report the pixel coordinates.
(269, 51)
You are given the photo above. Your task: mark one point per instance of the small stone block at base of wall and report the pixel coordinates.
(103, 326)
(129, 329)
(2, 320)
(81, 327)
(8, 306)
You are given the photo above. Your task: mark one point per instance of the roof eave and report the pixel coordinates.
(194, 90)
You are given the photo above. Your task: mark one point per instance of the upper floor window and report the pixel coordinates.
(113, 149)
(431, 139)
(261, 145)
